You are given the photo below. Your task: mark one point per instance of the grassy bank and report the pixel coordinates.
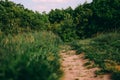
(30, 56)
(104, 50)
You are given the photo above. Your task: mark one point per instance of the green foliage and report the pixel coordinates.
(66, 30)
(14, 18)
(34, 55)
(83, 14)
(87, 20)
(116, 75)
(84, 21)
(30, 56)
(106, 14)
(108, 45)
(104, 50)
(56, 16)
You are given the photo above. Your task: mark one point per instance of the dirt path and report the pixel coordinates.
(73, 68)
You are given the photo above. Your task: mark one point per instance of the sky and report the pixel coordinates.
(47, 5)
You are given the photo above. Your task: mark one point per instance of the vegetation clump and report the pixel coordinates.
(104, 50)
(30, 56)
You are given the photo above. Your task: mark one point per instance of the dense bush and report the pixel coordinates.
(66, 30)
(30, 56)
(14, 18)
(88, 19)
(82, 22)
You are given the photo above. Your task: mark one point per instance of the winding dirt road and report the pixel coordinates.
(72, 66)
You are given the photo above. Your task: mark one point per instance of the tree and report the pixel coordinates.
(83, 15)
(56, 16)
(106, 14)
(66, 29)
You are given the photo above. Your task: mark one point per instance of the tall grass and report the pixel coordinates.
(104, 50)
(30, 56)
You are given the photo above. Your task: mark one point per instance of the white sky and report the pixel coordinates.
(47, 5)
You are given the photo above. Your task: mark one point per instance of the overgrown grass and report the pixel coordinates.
(104, 50)
(30, 56)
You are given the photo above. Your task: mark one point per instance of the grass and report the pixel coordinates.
(104, 50)
(30, 56)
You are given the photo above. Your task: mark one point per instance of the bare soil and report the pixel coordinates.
(74, 69)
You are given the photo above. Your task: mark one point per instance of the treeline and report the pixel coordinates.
(84, 21)
(14, 18)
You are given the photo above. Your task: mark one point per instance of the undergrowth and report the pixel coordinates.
(104, 50)
(30, 56)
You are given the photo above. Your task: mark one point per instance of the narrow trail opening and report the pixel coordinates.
(74, 69)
